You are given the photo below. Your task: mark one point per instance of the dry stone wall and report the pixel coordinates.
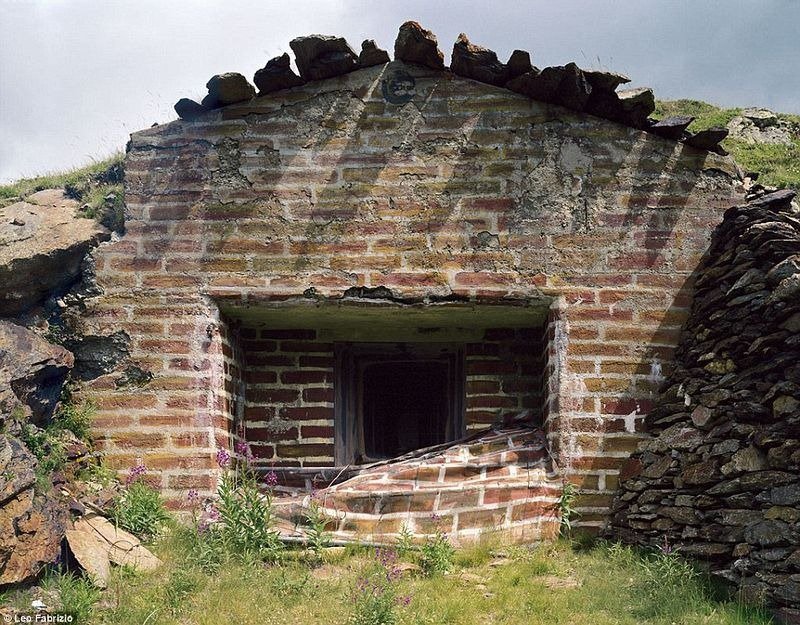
(720, 478)
(432, 186)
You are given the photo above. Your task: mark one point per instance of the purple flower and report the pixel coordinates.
(435, 517)
(271, 479)
(193, 496)
(223, 459)
(404, 600)
(387, 557)
(135, 473)
(210, 515)
(243, 449)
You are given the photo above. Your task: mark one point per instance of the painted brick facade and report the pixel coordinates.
(289, 398)
(467, 192)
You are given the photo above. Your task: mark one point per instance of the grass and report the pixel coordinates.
(90, 185)
(604, 584)
(778, 165)
(47, 443)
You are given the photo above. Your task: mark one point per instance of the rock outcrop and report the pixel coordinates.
(720, 478)
(32, 372)
(31, 524)
(42, 245)
(756, 125)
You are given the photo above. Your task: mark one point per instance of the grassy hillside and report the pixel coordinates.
(91, 185)
(779, 165)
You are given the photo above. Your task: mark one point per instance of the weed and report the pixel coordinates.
(245, 518)
(318, 539)
(286, 585)
(47, 444)
(669, 583)
(436, 555)
(566, 508)
(476, 554)
(180, 586)
(96, 472)
(240, 523)
(140, 509)
(374, 596)
(404, 544)
(77, 594)
(49, 450)
(77, 418)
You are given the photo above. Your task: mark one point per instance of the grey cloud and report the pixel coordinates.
(77, 77)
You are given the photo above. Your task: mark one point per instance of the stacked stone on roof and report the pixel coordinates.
(276, 75)
(371, 54)
(479, 63)
(595, 92)
(228, 88)
(320, 56)
(416, 45)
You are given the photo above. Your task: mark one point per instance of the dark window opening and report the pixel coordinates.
(395, 398)
(404, 406)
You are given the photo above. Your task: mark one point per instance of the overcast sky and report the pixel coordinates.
(78, 76)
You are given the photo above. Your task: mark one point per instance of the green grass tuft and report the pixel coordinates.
(778, 165)
(89, 185)
(140, 510)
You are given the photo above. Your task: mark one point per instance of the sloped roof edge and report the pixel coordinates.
(319, 57)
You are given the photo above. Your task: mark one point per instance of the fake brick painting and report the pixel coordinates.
(277, 215)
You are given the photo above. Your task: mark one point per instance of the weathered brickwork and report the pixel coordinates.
(464, 191)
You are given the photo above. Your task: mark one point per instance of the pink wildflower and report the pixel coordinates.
(223, 459)
(210, 516)
(243, 449)
(135, 473)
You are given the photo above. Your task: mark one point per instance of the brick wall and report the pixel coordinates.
(289, 401)
(289, 413)
(468, 192)
(504, 376)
